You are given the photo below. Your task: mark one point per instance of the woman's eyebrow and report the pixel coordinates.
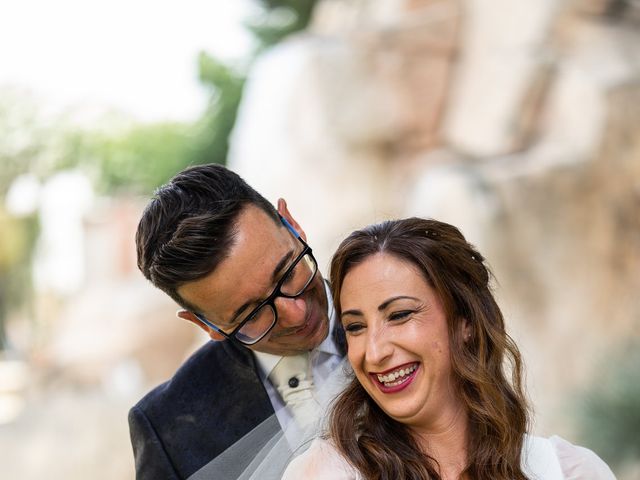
(389, 301)
(351, 312)
(385, 304)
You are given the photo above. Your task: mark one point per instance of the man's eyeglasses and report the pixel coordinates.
(295, 280)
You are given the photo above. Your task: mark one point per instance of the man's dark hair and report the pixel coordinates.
(187, 229)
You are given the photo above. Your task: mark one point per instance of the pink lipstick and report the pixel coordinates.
(395, 379)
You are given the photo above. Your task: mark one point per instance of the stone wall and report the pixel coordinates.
(517, 121)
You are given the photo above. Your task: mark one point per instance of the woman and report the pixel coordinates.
(431, 398)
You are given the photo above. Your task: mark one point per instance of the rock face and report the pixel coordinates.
(517, 121)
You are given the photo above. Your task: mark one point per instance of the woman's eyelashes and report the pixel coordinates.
(353, 327)
(395, 317)
(401, 315)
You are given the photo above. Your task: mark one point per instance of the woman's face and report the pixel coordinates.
(398, 343)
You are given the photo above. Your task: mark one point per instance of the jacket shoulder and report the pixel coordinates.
(212, 400)
(195, 372)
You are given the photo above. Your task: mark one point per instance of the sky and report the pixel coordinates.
(138, 56)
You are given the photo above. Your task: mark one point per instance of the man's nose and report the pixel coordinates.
(292, 312)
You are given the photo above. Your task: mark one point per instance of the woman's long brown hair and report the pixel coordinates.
(383, 449)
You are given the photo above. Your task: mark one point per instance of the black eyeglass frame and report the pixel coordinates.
(270, 300)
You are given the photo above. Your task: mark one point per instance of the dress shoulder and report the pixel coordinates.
(579, 463)
(321, 461)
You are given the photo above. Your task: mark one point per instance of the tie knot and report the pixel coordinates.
(290, 371)
(293, 379)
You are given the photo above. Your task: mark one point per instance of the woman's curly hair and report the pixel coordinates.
(383, 449)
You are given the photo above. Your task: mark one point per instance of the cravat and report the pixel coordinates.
(292, 378)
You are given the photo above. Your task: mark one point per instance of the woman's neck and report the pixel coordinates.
(446, 442)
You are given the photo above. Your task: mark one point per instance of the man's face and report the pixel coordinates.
(261, 252)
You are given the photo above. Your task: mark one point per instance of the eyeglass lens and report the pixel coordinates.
(295, 282)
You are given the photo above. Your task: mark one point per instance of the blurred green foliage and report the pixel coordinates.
(25, 146)
(137, 159)
(142, 157)
(17, 240)
(225, 92)
(119, 154)
(608, 413)
(26, 142)
(278, 19)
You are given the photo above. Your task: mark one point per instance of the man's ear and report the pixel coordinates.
(189, 316)
(284, 211)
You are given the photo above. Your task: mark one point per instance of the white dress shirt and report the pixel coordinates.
(324, 359)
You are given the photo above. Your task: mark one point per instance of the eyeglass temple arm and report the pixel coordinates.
(289, 227)
(203, 320)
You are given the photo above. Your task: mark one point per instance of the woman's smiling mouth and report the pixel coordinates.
(395, 379)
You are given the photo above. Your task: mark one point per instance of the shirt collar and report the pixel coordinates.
(328, 345)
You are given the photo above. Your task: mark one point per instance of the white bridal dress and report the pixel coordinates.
(543, 459)
(268, 451)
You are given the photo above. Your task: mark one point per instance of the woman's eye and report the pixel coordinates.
(353, 328)
(400, 315)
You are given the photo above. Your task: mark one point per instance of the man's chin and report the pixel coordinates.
(303, 339)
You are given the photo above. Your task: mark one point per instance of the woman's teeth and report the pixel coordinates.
(396, 377)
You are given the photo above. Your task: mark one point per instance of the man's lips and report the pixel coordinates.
(311, 323)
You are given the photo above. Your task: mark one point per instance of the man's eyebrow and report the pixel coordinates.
(280, 266)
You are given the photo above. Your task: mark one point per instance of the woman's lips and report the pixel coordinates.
(395, 379)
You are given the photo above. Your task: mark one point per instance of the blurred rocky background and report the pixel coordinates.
(519, 122)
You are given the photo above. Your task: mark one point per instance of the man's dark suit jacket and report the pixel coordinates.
(212, 401)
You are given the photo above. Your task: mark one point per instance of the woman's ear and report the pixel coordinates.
(190, 316)
(465, 326)
(283, 210)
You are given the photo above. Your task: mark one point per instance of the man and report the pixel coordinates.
(242, 271)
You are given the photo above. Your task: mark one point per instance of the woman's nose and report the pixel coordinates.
(378, 347)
